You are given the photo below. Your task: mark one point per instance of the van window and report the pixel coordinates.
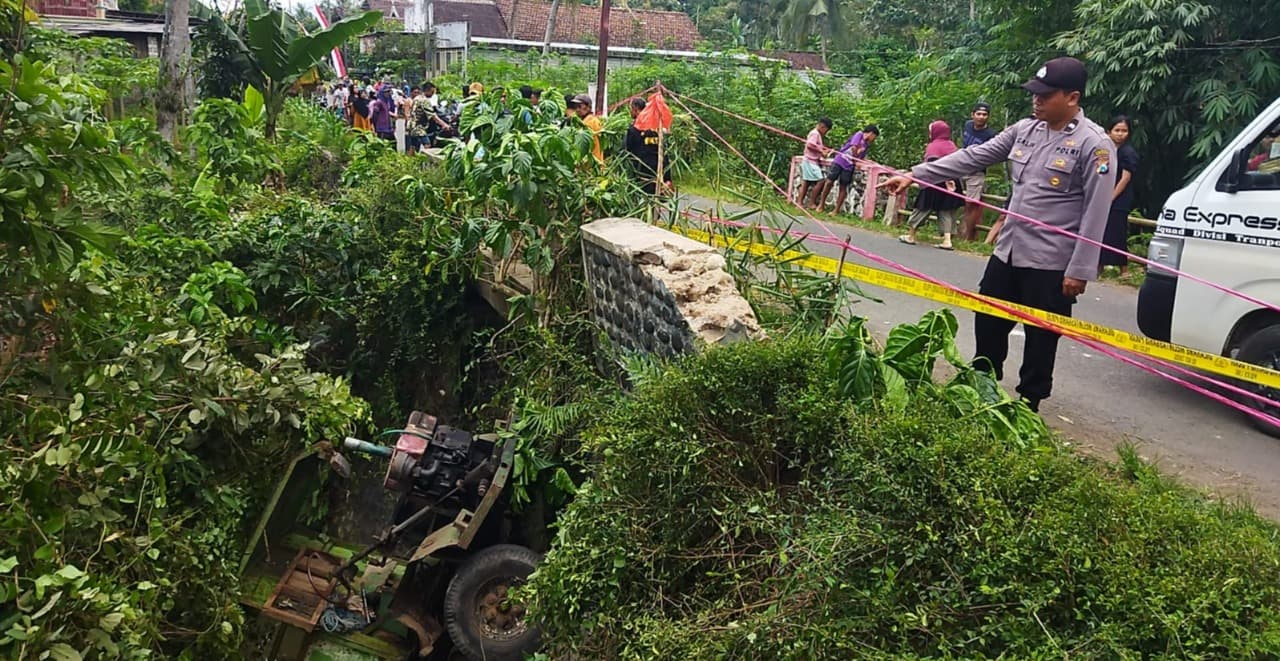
(1262, 171)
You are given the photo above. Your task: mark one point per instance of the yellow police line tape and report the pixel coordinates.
(1145, 346)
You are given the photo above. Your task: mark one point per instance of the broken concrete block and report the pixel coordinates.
(656, 291)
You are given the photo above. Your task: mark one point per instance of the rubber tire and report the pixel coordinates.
(459, 603)
(1257, 349)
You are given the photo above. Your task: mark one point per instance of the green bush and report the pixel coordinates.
(511, 70)
(152, 393)
(902, 107)
(136, 446)
(741, 507)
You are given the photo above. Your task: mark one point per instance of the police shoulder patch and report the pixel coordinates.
(1102, 160)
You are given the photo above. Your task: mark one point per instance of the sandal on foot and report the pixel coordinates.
(907, 240)
(942, 246)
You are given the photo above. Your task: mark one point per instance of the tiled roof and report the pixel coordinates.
(485, 19)
(580, 24)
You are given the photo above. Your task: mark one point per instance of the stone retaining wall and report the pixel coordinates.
(659, 292)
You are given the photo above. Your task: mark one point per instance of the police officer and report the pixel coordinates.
(1062, 169)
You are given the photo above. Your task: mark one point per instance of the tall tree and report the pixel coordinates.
(551, 26)
(801, 20)
(173, 98)
(1192, 73)
(922, 25)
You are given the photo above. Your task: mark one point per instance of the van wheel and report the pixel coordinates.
(482, 621)
(1263, 349)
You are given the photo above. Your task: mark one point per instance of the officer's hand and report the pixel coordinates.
(896, 184)
(1072, 287)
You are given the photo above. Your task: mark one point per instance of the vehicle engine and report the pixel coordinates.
(435, 463)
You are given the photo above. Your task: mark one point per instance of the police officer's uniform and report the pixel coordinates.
(1062, 178)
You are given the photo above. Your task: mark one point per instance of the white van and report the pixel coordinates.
(1223, 227)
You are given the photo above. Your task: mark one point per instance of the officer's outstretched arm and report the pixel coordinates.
(968, 161)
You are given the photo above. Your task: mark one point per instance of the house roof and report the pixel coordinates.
(485, 18)
(101, 26)
(634, 28)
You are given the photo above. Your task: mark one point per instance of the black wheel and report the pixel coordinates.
(482, 622)
(1263, 348)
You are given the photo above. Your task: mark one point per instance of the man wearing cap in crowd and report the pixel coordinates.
(976, 132)
(581, 106)
(1061, 165)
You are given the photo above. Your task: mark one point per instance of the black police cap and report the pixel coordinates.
(1062, 73)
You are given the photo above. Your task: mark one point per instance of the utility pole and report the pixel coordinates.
(172, 101)
(603, 62)
(431, 39)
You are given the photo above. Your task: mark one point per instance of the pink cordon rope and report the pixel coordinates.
(627, 99)
(1018, 314)
(1088, 341)
(1011, 214)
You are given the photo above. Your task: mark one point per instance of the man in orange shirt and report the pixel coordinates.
(581, 106)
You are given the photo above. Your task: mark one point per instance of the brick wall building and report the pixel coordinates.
(78, 8)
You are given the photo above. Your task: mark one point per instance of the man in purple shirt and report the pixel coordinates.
(845, 163)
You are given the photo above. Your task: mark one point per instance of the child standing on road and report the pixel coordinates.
(930, 200)
(811, 164)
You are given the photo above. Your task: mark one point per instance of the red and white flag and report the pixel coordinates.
(339, 67)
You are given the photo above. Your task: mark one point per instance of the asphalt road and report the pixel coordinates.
(1098, 402)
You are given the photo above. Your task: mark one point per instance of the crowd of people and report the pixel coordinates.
(429, 118)
(378, 107)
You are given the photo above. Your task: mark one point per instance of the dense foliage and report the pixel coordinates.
(742, 505)
(272, 53)
(768, 93)
(144, 403)
(179, 324)
(176, 324)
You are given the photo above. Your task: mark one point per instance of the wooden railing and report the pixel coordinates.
(894, 204)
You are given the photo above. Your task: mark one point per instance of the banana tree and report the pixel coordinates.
(276, 53)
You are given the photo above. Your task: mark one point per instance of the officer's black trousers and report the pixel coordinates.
(1036, 288)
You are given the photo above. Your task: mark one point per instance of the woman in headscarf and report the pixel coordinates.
(380, 115)
(930, 200)
(360, 111)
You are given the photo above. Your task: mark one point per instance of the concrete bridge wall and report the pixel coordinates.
(661, 293)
